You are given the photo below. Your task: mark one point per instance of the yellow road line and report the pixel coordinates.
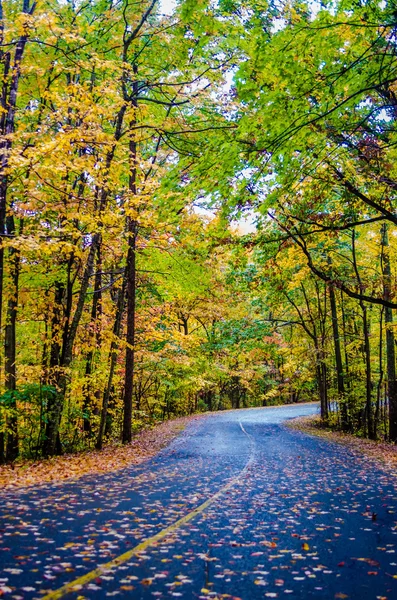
(75, 586)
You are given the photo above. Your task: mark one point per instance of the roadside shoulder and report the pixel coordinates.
(145, 445)
(380, 451)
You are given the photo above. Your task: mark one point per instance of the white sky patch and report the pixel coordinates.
(245, 225)
(204, 212)
(167, 7)
(242, 226)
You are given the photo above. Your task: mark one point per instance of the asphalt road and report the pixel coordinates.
(266, 512)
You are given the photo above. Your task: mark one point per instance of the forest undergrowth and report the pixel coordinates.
(145, 445)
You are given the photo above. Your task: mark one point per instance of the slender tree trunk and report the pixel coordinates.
(96, 334)
(338, 359)
(10, 344)
(344, 329)
(368, 381)
(55, 403)
(380, 381)
(8, 103)
(112, 363)
(52, 441)
(53, 372)
(68, 300)
(390, 348)
(130, 338)
(88, 271)
(45, 351)
(322, 384)
(322, 320)
(391, 376)
(324, 378)
(56, 326)
(132, 232)
(367, 349)
(8, 100)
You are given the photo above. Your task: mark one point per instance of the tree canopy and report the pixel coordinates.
(133, 143)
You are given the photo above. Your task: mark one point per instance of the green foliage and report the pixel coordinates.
(283, 112)
(33, 393)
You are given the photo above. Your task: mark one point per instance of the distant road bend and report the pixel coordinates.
(239, 506)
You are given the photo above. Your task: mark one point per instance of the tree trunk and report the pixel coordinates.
(380, 381)
(8, 102)
(367, 349)
(130, 338)
(368, 382)
(112, 363)
(52, 442)
(344, 330)
(321, 374)
(96, 310)
(10, 343)
(132, 232)
(320, 345)
(390, 348)
(338, 360)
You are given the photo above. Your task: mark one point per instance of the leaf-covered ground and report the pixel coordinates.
(305, 518)
(381, 451)
(144, 446)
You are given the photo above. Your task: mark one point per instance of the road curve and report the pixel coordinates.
(239, 506)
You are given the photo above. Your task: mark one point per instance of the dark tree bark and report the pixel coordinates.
(368, 381)
(132, 232)
(390, 347)
(131, 97)
(367, 349)
(56, 328)
(112, 363)
(338, 359)
(345, 337)
(8, 103)
(96, 310)
(60, 320)
(381, 374)
(11, 71)
(55, 407)
(130, 337)
(10, 343)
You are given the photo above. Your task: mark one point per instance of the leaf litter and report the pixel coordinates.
(298, 522)
(380, 451)
(113, 457)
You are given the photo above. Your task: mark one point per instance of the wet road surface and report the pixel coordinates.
(270, 513)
